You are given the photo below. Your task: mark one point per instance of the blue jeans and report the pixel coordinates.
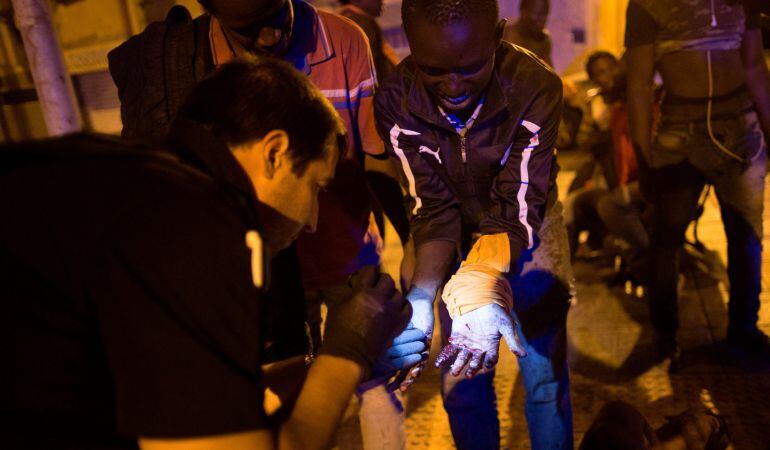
(683, 161)
(541, 292)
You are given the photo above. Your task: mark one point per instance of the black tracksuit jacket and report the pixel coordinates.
(500, 177)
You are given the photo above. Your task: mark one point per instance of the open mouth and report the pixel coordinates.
(455, 100)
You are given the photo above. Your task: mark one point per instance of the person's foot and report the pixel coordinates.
(753, 343)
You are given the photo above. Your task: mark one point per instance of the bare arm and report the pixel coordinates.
(433, 261)
(757, 77)
(356, 333)
(324, 397)
(382, 177)
(641, 70)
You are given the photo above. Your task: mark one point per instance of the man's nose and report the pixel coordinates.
(452, 85)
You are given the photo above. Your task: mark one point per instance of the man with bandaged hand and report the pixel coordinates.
(471, 121)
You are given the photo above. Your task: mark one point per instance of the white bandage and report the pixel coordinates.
(481, 280)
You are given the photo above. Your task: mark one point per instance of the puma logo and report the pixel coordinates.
(436, 154)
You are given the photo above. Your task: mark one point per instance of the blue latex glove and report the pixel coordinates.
(407, 350)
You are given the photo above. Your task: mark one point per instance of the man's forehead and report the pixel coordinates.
(246, 10)
(471, 35)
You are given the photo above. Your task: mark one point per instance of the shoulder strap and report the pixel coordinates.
(179, 51)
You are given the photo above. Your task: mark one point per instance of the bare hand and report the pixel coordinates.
(475, 340)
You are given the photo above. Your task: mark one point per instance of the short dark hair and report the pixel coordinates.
(446, 12)
(596, 56)
(242, 101)
(529, 3)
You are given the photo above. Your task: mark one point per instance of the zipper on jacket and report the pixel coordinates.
(462, 128)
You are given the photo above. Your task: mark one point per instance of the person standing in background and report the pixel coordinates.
(714, 116)
(365, 13)
(529, 31)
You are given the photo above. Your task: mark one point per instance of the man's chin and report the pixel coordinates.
(454, 106)
(278, 50)
(286, 243)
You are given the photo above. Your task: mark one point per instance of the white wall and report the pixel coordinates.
(601, 21)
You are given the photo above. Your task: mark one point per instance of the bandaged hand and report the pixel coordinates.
(478, 297)
(475, 340)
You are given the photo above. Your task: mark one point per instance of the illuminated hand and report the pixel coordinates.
(408, 349)
(475, 340)
(422, 320)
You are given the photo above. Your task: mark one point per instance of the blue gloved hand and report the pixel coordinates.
(407, 350)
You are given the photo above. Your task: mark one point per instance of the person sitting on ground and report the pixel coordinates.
(612, 208)
(529, 31)
(623, 210)
(598, 174)
(133, 282)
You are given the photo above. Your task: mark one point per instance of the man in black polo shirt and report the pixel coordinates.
(132, 284)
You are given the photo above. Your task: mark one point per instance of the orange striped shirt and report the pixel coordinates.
(334, 53)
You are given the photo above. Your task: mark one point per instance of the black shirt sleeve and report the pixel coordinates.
(520, 190)
(641, 28)
(178, 313)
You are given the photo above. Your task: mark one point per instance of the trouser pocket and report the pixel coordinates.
(671, 144)
(730, 146)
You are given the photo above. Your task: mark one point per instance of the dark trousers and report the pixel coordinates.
(583, 215)
(541, 291)
(683, 160)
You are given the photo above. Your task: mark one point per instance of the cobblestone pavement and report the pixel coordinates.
(611, 357)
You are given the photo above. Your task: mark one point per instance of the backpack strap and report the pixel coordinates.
(180, 52)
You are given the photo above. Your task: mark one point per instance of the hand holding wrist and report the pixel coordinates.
(361, 328)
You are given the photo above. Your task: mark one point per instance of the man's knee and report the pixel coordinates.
(460, 393)
(545, 392)
(547, 379)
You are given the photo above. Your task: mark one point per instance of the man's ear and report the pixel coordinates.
(499, 31)
(274, 151)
